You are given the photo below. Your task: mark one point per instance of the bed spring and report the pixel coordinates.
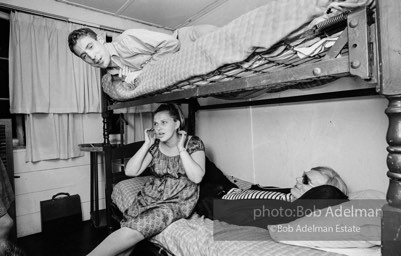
(327, 25)
(281, 56)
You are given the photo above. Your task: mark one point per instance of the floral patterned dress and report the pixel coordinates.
(167, 196)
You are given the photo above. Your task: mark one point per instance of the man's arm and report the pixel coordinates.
(149, 42)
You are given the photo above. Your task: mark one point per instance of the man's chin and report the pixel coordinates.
(295, 192)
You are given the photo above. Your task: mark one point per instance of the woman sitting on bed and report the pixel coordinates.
(318, 188)
(177, 162)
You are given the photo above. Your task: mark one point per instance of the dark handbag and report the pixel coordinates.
(61, 213)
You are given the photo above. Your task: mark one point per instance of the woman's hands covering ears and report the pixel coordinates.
(181, 142)
(150, 137)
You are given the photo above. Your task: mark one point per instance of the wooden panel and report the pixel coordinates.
(389, 23)
(31, 190)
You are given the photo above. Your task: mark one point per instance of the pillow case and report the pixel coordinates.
(214, 182)
(324, 192)
(243, 184)
(213, 186)
(367, 194)
(356, 223)
(125, 192)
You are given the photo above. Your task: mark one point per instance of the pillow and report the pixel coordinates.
(213, 185)
(125, 192)
(237, 194)
(239, 182)
(214, 182)
(355, 223)
(327, 192)
(367, 194)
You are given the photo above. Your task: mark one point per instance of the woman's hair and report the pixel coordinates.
(77, 34)
(334, 178)
(174, 111)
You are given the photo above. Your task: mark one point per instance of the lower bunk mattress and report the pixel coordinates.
(200, 236)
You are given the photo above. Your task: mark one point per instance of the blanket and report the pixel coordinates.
(199, 236)
(258, 29)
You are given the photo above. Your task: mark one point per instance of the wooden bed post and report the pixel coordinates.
(391, 222)
(107, 148)
(389, 47)
(193, 106)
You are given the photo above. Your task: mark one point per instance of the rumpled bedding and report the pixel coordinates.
(258, 29)
(199, 236)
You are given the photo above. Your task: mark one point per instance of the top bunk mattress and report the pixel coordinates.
(243, 39)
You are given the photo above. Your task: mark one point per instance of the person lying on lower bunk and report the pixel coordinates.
(318, 188)
(129, 52)
(177, 162)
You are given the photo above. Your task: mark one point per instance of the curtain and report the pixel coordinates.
(50, 85)
(136, 125)
(45, 77)
(53, 136)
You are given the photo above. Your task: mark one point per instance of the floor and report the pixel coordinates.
(76, 242)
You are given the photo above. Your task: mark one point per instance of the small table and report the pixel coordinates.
(95, 149)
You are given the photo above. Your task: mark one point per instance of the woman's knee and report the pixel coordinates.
(131, 234)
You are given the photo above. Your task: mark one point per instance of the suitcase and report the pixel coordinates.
(61, 213)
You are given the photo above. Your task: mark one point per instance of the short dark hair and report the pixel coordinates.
(174, 111)
(77, 34)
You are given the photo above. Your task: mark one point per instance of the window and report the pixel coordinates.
(17, 120)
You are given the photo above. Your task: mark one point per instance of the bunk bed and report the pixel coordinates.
(363, 43)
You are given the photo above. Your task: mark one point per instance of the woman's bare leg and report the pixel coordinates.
(117, 242)
(127, 252)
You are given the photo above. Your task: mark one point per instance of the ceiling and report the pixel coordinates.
(169, 14)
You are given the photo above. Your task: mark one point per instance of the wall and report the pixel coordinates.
(272, 145)
(41, 180)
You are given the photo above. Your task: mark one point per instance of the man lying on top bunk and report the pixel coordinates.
(126, 56)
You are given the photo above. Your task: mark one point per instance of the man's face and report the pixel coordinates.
(92, 52)
(308, 180)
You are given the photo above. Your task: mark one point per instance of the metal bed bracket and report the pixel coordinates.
(338, 46)
(358, 44)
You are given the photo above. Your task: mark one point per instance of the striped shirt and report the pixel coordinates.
(237, 193)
